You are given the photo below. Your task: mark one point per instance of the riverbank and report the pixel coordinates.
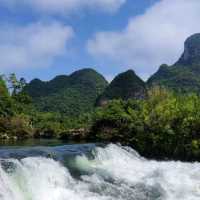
(163, 125)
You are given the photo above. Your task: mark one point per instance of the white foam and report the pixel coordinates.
(115, 173)
(176, 180)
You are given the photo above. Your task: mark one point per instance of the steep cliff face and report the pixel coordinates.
(124, 86)
(191, 53)
(184, 75)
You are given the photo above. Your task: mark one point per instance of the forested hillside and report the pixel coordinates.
(69, 95)
(184, 75)
(160, 118)
(125, 86)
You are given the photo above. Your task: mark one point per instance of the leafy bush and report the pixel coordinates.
(162, 125)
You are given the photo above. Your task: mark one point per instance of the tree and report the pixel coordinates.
(16, 85)
(5, 99)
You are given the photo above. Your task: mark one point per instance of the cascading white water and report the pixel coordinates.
(115, 173)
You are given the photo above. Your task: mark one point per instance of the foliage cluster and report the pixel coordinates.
(164, 125)
(19, 119)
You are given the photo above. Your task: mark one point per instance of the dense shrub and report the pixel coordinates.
(162, 125)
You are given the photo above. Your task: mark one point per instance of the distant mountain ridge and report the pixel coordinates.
(79, 92)
(124, 86)
(191, 54)
(69, 95)
(184, 75)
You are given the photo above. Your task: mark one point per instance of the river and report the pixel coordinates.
(92, 172)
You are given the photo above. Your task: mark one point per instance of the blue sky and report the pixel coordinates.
(44, 38)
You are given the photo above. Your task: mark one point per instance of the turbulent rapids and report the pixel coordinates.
(89, 172)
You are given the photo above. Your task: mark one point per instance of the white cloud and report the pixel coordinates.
(150, 39)
(66, 6)
(35, 45)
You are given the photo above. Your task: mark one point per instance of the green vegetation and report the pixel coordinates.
(124, 86)
(20, 119)
(180, 78)
(164, 125)
(5, 100)
(160, 118)
(69, 95)
(184, 75)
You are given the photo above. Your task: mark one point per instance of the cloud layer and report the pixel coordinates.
(150, 39)
(66, 6)
(35, 45)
